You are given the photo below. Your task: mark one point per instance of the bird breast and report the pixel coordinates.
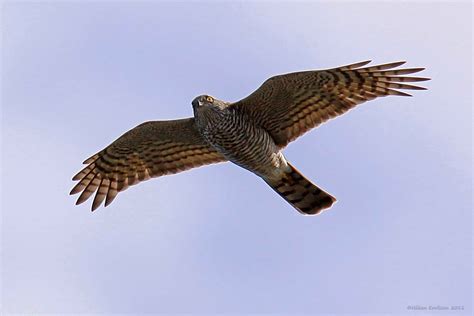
(244, 143)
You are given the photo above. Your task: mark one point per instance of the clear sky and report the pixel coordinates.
(217, 239)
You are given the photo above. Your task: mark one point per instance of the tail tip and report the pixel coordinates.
(318, 206)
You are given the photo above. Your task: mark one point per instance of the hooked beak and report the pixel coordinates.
(197, 103)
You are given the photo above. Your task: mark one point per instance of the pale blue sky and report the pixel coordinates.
(217, 239)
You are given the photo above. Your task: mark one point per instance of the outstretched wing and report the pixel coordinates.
(289, 105)
(149, 150)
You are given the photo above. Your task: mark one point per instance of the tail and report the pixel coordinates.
(301, 193)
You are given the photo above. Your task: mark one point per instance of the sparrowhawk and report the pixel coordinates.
(251, 133)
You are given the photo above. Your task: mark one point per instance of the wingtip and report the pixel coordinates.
(94, 206)
(395, 64)
(354, 65)
(402, 94)
(419, 78)
(417, 69)
(91, 159)
(360, 64)
(97, 201)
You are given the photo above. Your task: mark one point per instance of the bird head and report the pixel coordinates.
(203, 101)
(205, 106)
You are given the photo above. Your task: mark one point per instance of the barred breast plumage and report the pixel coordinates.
(239, 140)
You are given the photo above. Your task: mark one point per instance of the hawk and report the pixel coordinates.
(251, 133)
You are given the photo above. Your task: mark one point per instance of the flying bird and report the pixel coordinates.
(251, 133)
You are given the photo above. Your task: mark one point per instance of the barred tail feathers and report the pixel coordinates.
(301, 193)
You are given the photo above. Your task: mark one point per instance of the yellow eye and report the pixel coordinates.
(209, 99)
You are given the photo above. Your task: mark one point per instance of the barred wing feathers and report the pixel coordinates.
(289, 105)
(151, 149)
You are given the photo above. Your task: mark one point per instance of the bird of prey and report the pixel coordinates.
(251, 133)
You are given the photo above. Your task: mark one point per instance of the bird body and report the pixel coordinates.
(238, 139)
(250, 133)
(250, 146)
